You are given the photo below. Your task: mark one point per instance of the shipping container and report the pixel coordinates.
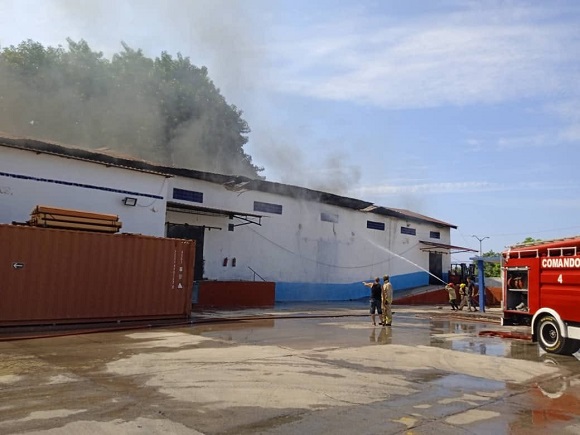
(52, 276)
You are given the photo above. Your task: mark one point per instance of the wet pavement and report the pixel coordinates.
(293, 369)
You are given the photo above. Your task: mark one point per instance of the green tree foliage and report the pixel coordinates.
(165, 109)
(529, 241)
(491, 269)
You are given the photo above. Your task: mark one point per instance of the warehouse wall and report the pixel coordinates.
(28, 179)
(308, 257)
(311, 250)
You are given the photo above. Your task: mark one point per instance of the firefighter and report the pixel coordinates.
(452, 296)
(387, 300)
(471, 293)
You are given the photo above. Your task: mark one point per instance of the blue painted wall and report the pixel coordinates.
(307, 291)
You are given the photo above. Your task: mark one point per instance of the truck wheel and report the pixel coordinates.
(549, 335)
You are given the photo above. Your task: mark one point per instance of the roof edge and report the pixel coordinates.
(296, 192)
(82, 154)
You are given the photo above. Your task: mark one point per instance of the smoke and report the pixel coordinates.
(282, 152)
(122, 119)
(220, 34)
(228, 37)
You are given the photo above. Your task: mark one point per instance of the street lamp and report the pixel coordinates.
(481, 239)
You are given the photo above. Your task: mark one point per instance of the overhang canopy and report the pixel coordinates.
(248, 218)
(434, 246)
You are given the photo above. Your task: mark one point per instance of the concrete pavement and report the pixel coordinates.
(293, 369)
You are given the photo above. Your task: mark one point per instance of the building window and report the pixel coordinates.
(375, 225)
(435, 234)
(188, 195)
(267, 207)
(409, 231)
(329, 217)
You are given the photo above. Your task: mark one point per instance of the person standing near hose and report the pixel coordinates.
(387, 300)
(375, 299)
(452, 296)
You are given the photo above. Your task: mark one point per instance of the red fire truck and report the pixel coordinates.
(541, 289)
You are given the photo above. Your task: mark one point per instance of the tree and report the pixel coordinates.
(491, 269)
(166, 109)
(529, 241)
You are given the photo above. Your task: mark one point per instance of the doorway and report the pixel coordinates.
(435, 268)
(190, 232)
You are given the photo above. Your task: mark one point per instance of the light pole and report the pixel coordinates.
(481, 239)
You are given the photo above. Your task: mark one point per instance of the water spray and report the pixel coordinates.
(403, 258)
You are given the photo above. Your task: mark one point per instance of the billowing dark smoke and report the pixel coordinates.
(130, 117)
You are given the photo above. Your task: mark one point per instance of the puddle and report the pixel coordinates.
(471, 383)
(356, 331)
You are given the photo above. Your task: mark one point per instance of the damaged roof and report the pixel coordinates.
(232, 182)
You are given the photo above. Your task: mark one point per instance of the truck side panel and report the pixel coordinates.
(560, 290)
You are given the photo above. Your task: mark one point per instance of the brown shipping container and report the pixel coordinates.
(64, 276)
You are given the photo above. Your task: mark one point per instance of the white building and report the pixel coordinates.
(314, 245)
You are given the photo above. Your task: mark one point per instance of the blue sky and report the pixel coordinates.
(466, 111)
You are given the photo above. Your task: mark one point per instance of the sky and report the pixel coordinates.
(465, 111)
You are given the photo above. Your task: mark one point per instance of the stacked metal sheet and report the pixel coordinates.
(69, 219)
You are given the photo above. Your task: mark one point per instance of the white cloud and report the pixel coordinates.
(564, 128)
(569, 112)
(567, 109)
(527, 141)
(571, 133)
(450, 187)
(469, 56)
(457, 187)
(561, 203)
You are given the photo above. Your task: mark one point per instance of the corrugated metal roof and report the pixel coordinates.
(307, 194)
(103, 157)
(410, 215)
(231, 182)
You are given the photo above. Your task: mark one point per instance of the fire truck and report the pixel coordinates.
(541, 289)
